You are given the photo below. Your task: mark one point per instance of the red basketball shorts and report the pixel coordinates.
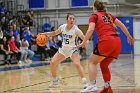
(108, 46)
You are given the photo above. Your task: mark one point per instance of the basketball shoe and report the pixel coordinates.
(90, 88)
(85, 85)
(106, 90)
(54, 82)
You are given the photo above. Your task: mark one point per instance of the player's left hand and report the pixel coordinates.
(130, 40)
(82, 44)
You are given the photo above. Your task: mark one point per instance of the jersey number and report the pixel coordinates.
(105, 19)
(66, 41)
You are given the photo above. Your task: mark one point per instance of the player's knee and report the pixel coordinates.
(95, 62)
(52, 63)
(105, 63)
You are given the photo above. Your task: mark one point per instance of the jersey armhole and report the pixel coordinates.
(96, 16)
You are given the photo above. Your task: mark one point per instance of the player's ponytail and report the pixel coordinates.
(101, 8)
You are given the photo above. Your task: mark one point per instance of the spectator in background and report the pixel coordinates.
(2, 9)
(1, 34)
(48, 53)
(58, 38)
(5, 49)
(14, 49)
(24, 53)
(28, 36)
(25, 47)
(19, 18)
(28, 19)
(46, 27)
(31, 15)
(53, 28)
(9, 35)
(12, 25)
(4, 24)
(15, 33)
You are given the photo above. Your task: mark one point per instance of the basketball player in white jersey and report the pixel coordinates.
(69, 33)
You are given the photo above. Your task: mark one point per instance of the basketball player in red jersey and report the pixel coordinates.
(108, 46)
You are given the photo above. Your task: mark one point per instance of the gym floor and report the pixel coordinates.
(125, 77)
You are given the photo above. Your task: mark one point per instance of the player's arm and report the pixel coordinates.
(88, 34)
(92, 20)
(124, 29)
(82, 36)
(53, 33)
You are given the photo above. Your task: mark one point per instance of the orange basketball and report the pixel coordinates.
(41, 40)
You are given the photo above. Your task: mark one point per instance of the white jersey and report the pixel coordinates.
(69, 36)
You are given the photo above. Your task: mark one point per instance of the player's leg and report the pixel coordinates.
(106, 75)
(57, 58)
(93, 61)
(76, 60)
(112, 51)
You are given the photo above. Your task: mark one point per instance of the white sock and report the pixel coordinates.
(84, 80)
(55, 78)
(107, 84)
(93, 82)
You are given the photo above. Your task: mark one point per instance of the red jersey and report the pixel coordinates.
(106, 34)
(12, 45)
(103, 27)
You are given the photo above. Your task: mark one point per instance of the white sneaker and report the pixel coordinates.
(25, 61)
(85, 85)
(29, 61)
(90, 88)
(54, 83)
(20, 64)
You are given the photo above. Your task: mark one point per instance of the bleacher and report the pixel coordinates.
(14, 9)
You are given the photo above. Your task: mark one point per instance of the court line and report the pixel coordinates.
(10, 90)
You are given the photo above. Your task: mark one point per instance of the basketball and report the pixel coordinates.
(41, 40)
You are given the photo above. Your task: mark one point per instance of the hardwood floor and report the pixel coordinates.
(125, 78)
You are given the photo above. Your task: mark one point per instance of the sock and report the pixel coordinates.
(107, 84)
(55, 78)
(84, 80)
(93, 82)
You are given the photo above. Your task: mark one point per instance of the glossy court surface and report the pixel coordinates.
(125, 77)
